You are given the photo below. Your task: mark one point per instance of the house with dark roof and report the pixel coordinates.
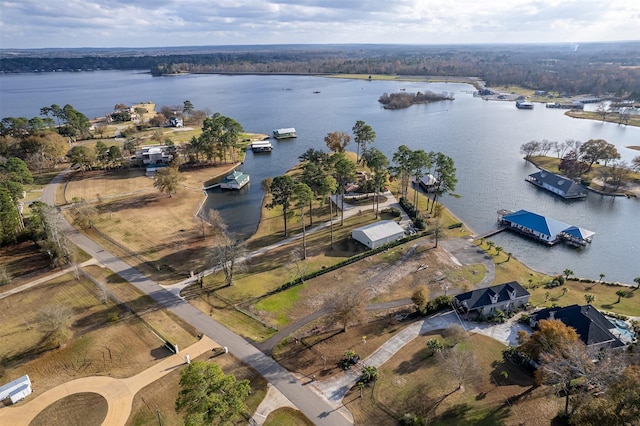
(485, 301)
(593, 328)
(559, 185)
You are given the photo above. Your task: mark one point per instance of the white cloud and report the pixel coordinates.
(125, 23)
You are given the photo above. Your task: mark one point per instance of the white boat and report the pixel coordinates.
(286, 133)
(235, 180)
(261, 146)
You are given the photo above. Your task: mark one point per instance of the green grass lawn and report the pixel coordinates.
(605, 297)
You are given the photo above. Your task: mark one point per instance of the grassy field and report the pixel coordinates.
(72, 411)
(22, 262)
(129, 207)
(104, 338)
(287, 416)
(611, 117)
(412, 382)
(162, 394)
(164, 322)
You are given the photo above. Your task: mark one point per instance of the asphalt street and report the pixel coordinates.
(313, 405)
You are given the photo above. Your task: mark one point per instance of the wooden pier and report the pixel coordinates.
(492, 233)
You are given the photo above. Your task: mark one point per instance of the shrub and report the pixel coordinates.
(455, 225)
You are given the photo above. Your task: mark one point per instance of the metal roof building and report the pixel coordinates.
(559, 185)
(378, 233)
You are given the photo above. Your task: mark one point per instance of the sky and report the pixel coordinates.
(26, 24)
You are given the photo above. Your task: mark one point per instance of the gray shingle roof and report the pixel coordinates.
(482, 297)
(592, 327)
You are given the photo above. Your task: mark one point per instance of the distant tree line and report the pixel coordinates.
(597, 68)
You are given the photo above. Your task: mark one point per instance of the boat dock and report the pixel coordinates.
(544, 229)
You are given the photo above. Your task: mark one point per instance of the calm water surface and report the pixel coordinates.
(482, 137)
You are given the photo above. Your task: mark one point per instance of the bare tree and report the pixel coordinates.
(55, 321)
(297, 267)
(461, 367)
(228, 256)
(347, 306)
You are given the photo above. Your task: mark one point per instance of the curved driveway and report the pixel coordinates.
(119, 393)
(314, 406)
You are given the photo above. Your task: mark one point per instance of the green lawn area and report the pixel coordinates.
(605, 297)
(412, 381)
(287, 416)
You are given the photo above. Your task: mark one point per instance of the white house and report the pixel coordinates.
(16, 390)
(378, 233)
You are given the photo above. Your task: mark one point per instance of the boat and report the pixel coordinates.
(522, 104)
(285, 133)
(261, 146)
(235, 180)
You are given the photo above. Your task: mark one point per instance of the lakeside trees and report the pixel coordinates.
(578, 159)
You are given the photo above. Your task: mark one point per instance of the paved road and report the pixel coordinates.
(314, 406)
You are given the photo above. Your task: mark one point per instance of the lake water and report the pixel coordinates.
(482, 137)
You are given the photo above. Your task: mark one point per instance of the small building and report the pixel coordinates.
(285, 133)
(16, 390)
(176, 122)
(428, 183)
(261, 146)
(559, 185)
(523, 104)
(485, 301)
(235, 180)
(378, 234)
(593, 328)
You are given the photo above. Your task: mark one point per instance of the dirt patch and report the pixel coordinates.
(73, 410)
(313, 351)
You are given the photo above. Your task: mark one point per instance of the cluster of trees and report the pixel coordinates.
(218, 140)
(578, 158)
(324, 174)
(415, 164)
(404, 100)
(600, 387)
(99, 157)
(14, 174)
(597, 68)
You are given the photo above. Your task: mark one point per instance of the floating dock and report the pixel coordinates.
(546, 230)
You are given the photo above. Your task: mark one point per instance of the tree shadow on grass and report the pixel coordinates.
(460, 415)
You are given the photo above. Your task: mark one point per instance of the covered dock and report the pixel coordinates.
(544, 229)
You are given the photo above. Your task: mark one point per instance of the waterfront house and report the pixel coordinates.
(559, 185)
(378, 233)
(593, 328)
(485, 301)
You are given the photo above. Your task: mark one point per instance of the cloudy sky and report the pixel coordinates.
(148, 23)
